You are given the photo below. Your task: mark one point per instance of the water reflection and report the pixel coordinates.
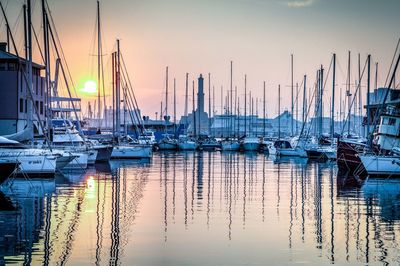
(201, 208)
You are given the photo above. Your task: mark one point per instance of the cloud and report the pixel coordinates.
(299, 3)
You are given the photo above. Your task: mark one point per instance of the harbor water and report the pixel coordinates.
(201, 208)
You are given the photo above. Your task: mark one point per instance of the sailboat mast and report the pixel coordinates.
(235, 117)
(29, 70)
(333, 97)
(113, 94)
(368, 99)
(320, 111)
(245, 106)
(166, 95)
(230, 103)
(291, 122)
(359, 94)
(348, 94)
(264, 109)
(98, 65)
(117, 88)
(186, 102)
(304, 99)
(174, 106)
(46, 63)
(193, 112)
(297, 107)
(376, 75)
(279, 110)
(209, 104)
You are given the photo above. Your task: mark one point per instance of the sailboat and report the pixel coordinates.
(250, 143)
(167, 142)
(124, 146)
(231, 143)
(325, 148)
(185, 143)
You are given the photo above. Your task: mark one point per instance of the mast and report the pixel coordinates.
(245, 106)
(98, 65)
(125, 111)
(251, 114)
(113, 94)
(320, 113)
(209, 103)
(213, 103)
(376, 75)
(29, 68)
(297, 108)
(175, 107)
(279, 110)
(348, 94)
(368, 99)
(264, 110)
(291, 122)
(230, 102)
(186, 102)
(117, 88)
(235, 130)
(304, 100)
(359, 94)
(166, 100)
(46, 63)
(194, 113)
(333, 98)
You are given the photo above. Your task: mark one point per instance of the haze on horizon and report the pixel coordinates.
(204, 36)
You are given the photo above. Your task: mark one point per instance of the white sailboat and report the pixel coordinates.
(32, 162)
(186, 144)
(124, 146)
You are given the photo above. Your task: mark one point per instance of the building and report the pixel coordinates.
(14, 93)
(201, 118)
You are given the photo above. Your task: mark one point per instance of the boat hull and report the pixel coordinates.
(230, 146)
(92, 155)
(104, 153)
(131, 152)
(187, 146)
(381, 165)
(7, 167)
(80, 162)
(35, 165)
(291, 152)
(348, 159)
(251, 146)
(167, 146)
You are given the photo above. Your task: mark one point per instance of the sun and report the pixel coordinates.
(90, 87)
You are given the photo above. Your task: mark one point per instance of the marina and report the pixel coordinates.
(234, 208)
(164, 153)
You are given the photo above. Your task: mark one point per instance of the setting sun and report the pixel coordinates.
(90, 87)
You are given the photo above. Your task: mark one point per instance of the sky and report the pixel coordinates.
(259, 36)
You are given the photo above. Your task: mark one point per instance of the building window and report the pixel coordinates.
(392, 121)
(21, 105)
(37, 105)
(3, 66)
(41, 108)
(26, 106)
